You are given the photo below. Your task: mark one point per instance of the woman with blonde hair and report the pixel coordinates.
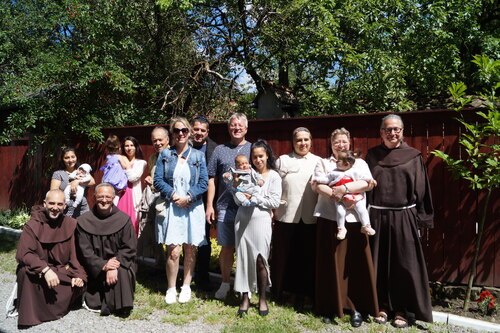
(181, 178)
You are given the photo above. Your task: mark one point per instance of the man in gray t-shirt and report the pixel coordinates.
(221, 161)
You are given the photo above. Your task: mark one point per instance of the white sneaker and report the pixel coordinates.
(221, 293)
(185, 294)
(171, 296)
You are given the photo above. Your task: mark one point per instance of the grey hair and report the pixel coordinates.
(301, 129)
(340, 131)
(160, 129)
(241, 117)
(105, 185)
(392, 116)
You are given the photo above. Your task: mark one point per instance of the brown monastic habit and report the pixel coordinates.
(45, 242)
(100, 238)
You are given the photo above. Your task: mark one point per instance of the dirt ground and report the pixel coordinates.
(450, 299)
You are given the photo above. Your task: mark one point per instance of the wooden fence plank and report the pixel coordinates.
(448, 247)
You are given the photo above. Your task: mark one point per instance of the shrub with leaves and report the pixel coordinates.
(486, 303)
(15, 219)
(479, 141)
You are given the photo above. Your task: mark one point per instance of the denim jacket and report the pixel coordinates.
(164, 174)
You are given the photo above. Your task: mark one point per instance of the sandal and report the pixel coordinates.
(400, 322)
(381, 318)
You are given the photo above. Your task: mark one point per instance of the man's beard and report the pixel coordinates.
(51, 216)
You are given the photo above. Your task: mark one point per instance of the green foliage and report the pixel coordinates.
(14, 219)
(350, 56)
(71, 67)
(479, 140)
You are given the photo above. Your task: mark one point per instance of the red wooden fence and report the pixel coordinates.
(448, 247)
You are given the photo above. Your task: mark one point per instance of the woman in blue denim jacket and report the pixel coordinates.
(181, 178)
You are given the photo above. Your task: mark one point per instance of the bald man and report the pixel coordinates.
(49, 276)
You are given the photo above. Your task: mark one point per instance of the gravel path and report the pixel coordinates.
(84, 321)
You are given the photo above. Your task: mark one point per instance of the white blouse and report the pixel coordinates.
(134, 175)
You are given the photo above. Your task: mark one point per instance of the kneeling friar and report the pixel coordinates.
(107, 249)
(49, 276)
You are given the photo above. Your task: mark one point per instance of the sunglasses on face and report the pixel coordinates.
(184, 130)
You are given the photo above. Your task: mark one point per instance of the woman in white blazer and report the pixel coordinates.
(294, 232)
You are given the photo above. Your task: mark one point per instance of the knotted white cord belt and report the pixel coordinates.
(391, 208)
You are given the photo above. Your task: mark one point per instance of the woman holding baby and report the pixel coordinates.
(345, 277)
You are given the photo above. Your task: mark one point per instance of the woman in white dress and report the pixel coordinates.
(253, 231)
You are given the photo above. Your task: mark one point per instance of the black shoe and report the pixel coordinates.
(124, 312)
(356, 319)
(242, 313)
(263, 313)
(105, 311)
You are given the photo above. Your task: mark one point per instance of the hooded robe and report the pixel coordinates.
(100, 238)
(45, 242)
(402, 181)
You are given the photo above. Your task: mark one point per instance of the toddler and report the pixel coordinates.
(115, 166)
(83, 175)
(342, 175)
(244, 180)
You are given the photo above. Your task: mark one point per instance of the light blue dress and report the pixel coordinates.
(182, 225)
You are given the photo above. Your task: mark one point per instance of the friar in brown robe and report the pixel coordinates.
(107, 247)
(49, 276)
(399, 205)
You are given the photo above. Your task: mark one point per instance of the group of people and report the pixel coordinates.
(300, 224)
(347, 251)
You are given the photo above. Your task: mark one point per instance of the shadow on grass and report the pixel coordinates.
(8, 245)
(7, 242)
(152, 278)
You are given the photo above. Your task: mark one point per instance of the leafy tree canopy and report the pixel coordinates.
(72, 67)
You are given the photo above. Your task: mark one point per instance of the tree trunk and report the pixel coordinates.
(473, 267)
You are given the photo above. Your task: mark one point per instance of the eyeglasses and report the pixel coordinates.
(184, 130)
(389, 130)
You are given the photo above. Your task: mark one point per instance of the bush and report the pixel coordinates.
(15, 219)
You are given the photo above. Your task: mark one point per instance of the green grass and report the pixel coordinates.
(150, 293)
(8, 246)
